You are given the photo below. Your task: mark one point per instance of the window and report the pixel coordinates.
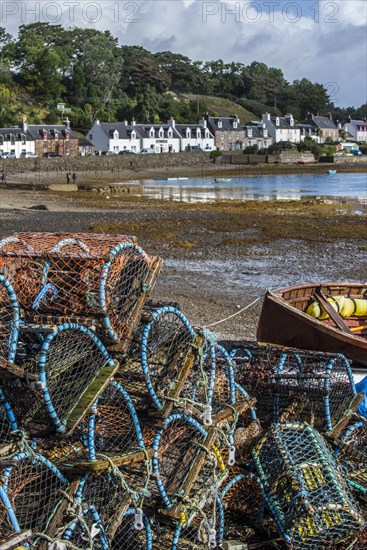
(235, 124)
(206, 134)
(133, 134)
(219, 124)
(12, 139)
(265, 133)
(151, 133)
(198, 133)
(45, 135)
(170, 133)
(23, 139)
(277, 121)
(161, 132)
(56, 135)
(116, 135)
(1, 139)
(249, 132)
(67, 135)
(188, 133)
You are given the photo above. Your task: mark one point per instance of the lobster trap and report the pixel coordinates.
(297, 385)
(351, 453)
(303, 489)
(110, 436)
(161, 357)
(53, 384)
(30, 493)
(102, 278)
(187, 463)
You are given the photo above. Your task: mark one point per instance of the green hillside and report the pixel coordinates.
(220, 106)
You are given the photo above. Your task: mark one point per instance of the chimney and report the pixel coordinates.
(24, 124)
(339, 125)
(67, 123)
(125, 122)
(133, 122)
(172, 122)
(97, 121)
(203, 122)
(330, 116)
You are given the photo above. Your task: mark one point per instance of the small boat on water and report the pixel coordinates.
(329, 317)
(331, 172)
(222, 180)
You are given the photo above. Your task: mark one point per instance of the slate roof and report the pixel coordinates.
(181, 129)
(323, 122)
(35, 132)
(359, 124)
(227, 123)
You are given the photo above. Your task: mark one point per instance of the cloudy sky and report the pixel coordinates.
(323, 40)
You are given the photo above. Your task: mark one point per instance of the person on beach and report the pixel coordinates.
(67, 177)
(74, 177)
(4, 177)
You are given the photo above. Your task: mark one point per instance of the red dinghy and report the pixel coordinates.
(329, 317)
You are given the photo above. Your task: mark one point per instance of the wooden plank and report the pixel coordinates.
(334, 315)
(9, 371)
(58, 516)
(195, 469)
(102, 464)
(16, 540)
(89, 396)
(169, 403)
(123, 506)
(227, 414)
(356, 401)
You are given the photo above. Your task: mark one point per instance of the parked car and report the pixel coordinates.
(127, 152)
(108, 153)
(28, 156)
(356, 152)
(9, 156)
(51, 154)
(147, 151)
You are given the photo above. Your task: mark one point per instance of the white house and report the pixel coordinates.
(114, 136)
(282, 128)
(309, 130)
(194, 136)
(357, 129)
(15, 140)
(161, 138)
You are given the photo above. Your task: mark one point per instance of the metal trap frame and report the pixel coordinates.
(60, 375)
(30, 494)
(303, 488)
(298, 385)
(92, 277)
(162, 354)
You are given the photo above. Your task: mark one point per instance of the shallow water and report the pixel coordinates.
(262, 187)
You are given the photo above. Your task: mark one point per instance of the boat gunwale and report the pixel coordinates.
(277, 296)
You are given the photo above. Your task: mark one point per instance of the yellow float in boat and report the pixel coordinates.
(346, 307)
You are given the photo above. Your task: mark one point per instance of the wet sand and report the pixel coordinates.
(217, 257)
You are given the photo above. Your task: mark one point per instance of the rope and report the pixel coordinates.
(233, 315)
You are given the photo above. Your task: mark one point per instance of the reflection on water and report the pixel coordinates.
(265, 187)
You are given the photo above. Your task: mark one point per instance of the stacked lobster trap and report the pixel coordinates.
(122, 426)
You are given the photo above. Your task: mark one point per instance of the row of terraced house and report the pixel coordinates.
(225, 133)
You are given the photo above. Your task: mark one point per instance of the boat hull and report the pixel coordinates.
(282, 324)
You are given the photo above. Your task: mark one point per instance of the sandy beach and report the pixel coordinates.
(218, 257)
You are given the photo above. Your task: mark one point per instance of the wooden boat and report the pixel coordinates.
(284, 321)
